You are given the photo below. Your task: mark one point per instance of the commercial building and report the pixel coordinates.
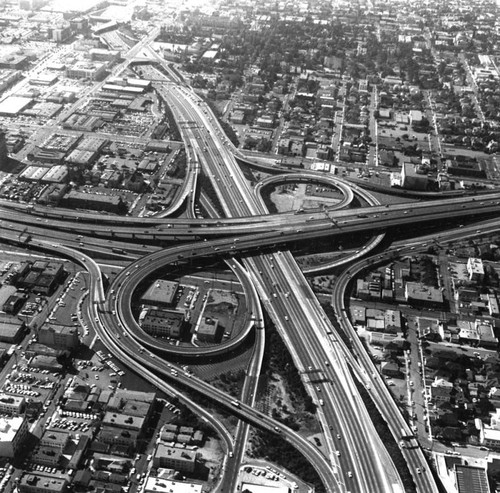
(13, 431)
(132, 403)
(50, 156)
(60, 337)
(486, 333)
(412, 177)
(381, 339)
(124, 421)
(87, 70)
(14, 105)
(174, 458)
(102, 55)
(60, 33)
(52, 194)
(161, 293)
(13, 405)
(12, 329)
(44, 79)
(475, 268)
(422, 295)
(162, 322)
(56, 174)
(33, 173)
(93, 201)
(209, 330)
(42, 280)
(56, 439)
(13, 303)
(260, 488)
(61, 142)
(33, 483)
(82, 157)
(15, 62)
(117, 437)
(470, 479)
(125, 89)
(161, 485)
(92, 143)
(8, 77)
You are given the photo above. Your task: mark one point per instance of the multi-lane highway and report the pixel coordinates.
(281, 286)
(291, 226)
(356, 459)
(280, 278)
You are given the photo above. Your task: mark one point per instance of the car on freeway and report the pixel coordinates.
(419, 471)
(349, 473)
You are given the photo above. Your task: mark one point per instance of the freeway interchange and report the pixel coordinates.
(357, 461)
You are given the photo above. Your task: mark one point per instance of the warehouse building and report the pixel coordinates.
(161, 293)
(94, 201)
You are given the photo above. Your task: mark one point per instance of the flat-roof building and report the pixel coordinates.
(54, 439)
(93, 201)
(14, 105)
(11, 404)
(12, 329)
(174, 458)
(162, 322)
(160, 293)
(123, 421)
(34, 483)
(13, 431)
(261, 488)
(161, 485)
(82, 156)
(470, 479)
(209, 330)
(412, 177)
(475, 268)
(61, 337)
(44, 79)
(33, 173)
(421, 294)
(57, 174)
(87, 70)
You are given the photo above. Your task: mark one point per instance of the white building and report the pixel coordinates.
(475, 268)
(160, 485)
(11, 404)
(13, 431)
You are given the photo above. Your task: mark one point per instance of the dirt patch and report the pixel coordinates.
(222, 305)
(280, 404)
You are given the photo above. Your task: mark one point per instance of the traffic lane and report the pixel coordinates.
(394, 419)
(314, 352)
(217, 395)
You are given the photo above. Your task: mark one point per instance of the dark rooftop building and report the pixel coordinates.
(471, 479)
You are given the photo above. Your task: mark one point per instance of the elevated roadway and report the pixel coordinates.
(291, 226)
(306, 323)
(128, 351)
(292, 306)
(372, 379)
(118, 326)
